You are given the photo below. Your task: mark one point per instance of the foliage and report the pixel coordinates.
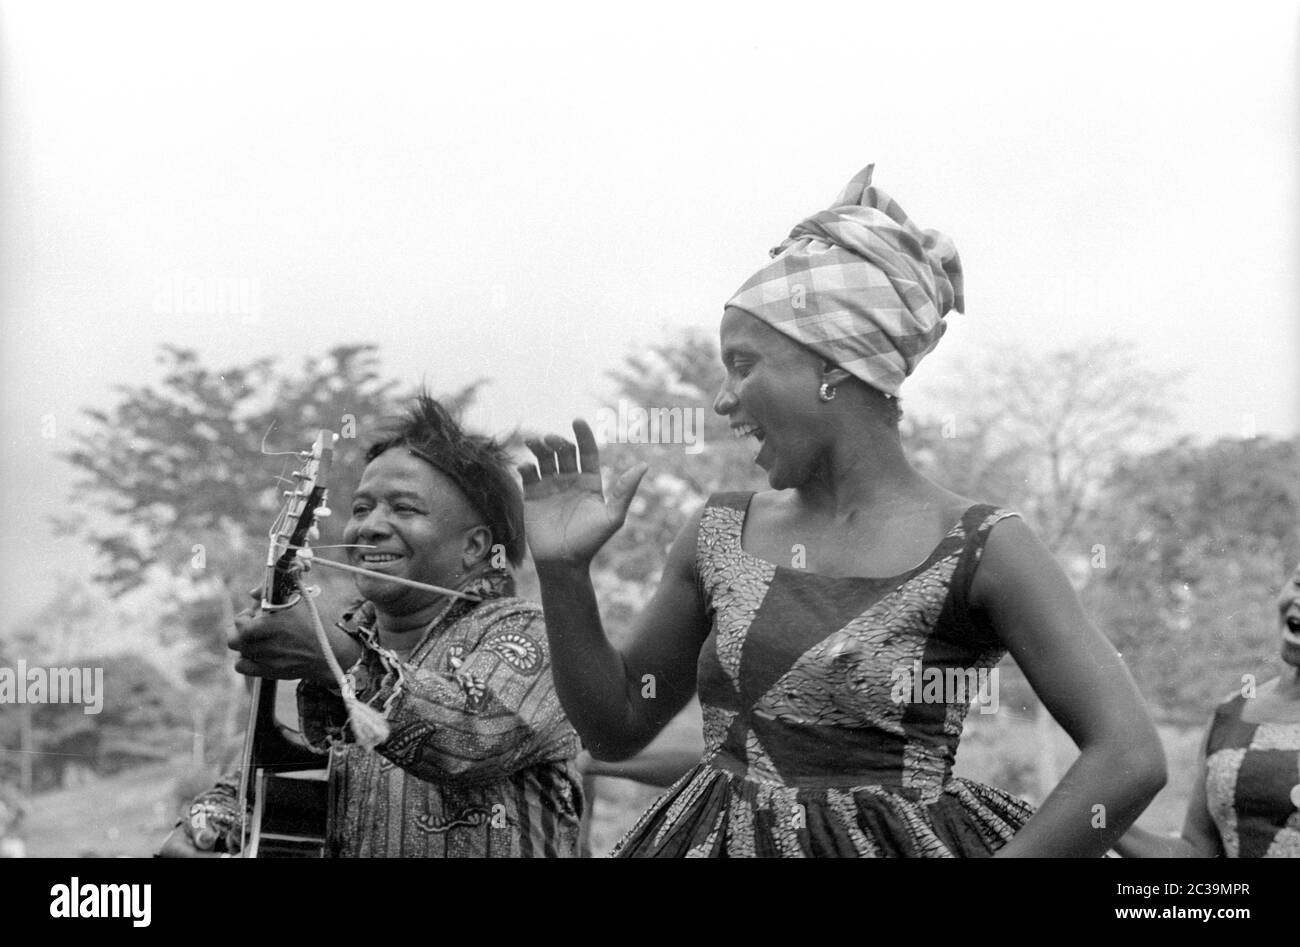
(1197, 541)
(179, 470)
(143, 718)
(1041, 433)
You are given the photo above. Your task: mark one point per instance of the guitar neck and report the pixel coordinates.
(268, 745)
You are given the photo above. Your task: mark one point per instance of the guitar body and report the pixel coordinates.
(284, 781)
(289, 814)
(289, 787)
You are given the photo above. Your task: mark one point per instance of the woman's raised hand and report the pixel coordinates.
(567, 515)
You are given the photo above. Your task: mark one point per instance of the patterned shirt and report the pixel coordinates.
(1252, 784)
(479, 762)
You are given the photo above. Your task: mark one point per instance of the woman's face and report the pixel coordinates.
(770, 394)
(1288, 605)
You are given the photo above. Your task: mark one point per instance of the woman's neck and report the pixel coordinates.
(858, 476)
(1288, 685)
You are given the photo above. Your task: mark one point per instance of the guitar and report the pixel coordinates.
(281, 776)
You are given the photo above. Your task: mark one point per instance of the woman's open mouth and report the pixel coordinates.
(372, 559)
(750, 430)
(1291, 633)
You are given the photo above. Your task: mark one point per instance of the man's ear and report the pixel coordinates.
(478, 543)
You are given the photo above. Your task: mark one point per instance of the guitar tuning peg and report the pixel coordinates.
(322, 512)
(313, 533)
(306, 555)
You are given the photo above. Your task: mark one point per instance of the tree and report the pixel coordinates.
(140, 712)
(179, 468)
(15, 741)
(1197, 541)
(144, 721)
(73, 621)
(1044, 431)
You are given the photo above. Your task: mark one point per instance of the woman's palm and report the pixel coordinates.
(568, 517)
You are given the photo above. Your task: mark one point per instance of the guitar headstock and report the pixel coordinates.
(304, 504)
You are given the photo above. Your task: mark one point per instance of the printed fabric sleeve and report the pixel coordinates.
(213, 817)
(491, 712)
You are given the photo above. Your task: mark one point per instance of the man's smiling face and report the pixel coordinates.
(417, 520)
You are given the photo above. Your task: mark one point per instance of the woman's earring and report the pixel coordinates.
(826, 392)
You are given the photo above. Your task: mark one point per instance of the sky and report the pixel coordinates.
(529, 194)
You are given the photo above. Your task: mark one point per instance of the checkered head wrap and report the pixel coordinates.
(860, 285)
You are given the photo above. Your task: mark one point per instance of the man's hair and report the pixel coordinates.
(478, 465)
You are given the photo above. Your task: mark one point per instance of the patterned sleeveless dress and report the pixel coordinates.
(1252, 784)
(807, 752)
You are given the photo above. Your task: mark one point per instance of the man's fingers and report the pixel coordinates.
(545, 456)
(588, 452)
(179, 845)
(566, 454)
(247, 635)
(529, 474)
(250, 668)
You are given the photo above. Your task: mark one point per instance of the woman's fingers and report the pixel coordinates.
(545, 456)
(529, 474)
(588, 452)
(556, 454)
(566, 455)
(624, 488)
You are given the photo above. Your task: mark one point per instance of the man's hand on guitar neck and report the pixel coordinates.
(282, 645)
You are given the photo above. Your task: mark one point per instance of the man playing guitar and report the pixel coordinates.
(478, 758)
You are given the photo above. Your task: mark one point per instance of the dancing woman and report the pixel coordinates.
(797, 611)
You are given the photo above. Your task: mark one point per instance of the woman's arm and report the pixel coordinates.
(652, 767)
(672, 754)
(1084, 683)
(1200, 838)
(616, 699)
